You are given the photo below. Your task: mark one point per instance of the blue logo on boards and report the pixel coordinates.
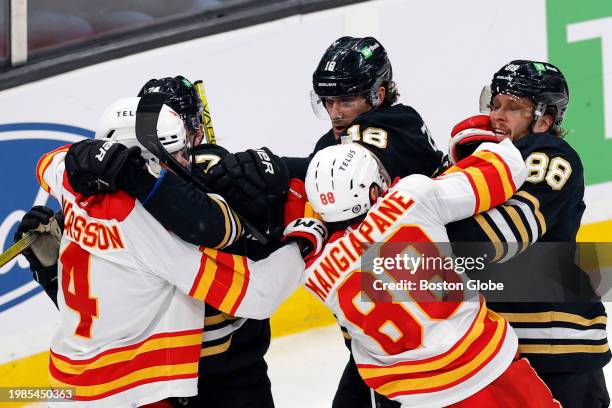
(21, 145)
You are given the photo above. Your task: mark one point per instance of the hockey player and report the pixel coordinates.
(184, 99)
(565, 342)
(131, 323)
(432, 354)
(353, 87)
(233, 370)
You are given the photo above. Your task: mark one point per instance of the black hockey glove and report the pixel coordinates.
(44, 252)
(249, 181)
(95, 166)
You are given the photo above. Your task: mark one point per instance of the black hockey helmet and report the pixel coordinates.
(352, 66)
(541, 82)
(182, 97)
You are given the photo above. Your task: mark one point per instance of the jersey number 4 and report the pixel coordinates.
(75, 287)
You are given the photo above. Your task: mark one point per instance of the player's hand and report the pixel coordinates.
(44, 252)
(252, 172)
(310, 235)
(249, 181)
(467, 135)
(482, 122)
(296, 201)
(95, 166)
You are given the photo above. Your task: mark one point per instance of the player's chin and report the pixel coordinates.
(338, 130)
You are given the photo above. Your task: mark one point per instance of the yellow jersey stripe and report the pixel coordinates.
(446, 378)
(519, 224)
(501, 169)
(452, 169)
(43, 164)
(492, 235)
(218, 349)
(238, 280)
(536, 209)
(158, 372)
(208, 275)
(476, 331)
(562, 348)
(216, 319)
(552, 316)
(482, 189)
(128, 355)
(228, 224)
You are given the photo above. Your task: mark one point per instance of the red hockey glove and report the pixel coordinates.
(295, 204)
(309, 233)
(467, 135)
(481, 122)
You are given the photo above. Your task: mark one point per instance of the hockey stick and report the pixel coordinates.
(18, 247)
(209, 132)
(147, 115)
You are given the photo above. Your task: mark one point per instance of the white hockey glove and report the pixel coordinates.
(310, 235)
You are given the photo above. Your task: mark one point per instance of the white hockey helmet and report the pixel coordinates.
(118, 123)
(339, 178)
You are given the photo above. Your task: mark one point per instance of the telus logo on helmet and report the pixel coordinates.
(21, 145)
(126, 113)
(347, 160)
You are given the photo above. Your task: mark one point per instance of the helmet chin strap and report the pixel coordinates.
(537, 113)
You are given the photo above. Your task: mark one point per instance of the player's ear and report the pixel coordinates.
(382, 92)
(374, 193)
(543, 124)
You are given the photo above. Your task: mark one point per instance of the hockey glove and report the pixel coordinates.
(249, 181)
(251, 172)
(95, 166)
(310, 235)
(467, 135)
(44, 252)
(296, 204)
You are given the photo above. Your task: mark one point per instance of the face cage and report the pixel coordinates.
(318, 102)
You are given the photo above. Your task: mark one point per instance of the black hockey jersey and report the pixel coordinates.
(555, 336)
(232, 372)
(396, 134)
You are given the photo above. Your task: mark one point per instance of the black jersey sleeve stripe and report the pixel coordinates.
(233, 227)
(493, 236)
(536, 208)
(552, 316)
(525, 210)
(517, 225)
(507, 235)
(208, 351)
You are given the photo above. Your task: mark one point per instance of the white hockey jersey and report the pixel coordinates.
(130, 297)
(422, 354)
